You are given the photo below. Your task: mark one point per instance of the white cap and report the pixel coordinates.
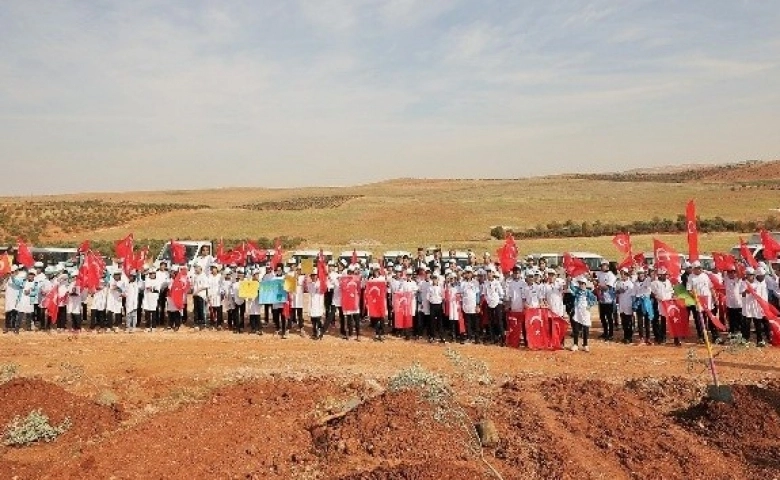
(228, 271)
(662, 271)
(468, 268)
(604, 261)
(696, 264)
(750, 271)
(480, 272)
(624, 270)
(582, 279)
(240, 270)
(38, 265)
(398, 268)
(409, 271)
(687, 264)
(550, 270)
(760, 271)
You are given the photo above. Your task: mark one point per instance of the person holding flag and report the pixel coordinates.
(75, 296)
(624, 289)
(605, 293)
(753, 289)
(733, 293)
(663, 292)
(316, 305)
(643, 305)
(700, 285)
(584, 299)
(152, 287)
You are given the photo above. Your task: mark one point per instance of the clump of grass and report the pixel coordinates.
(434, 387)
(35, 427)
(8, 371)
(107, 398)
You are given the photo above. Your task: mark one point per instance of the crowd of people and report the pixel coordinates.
(476, 303)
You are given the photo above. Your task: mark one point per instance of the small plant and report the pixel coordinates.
(8, 371)
(735, 344)
(35, 427)
(434, 387)
(107, 398)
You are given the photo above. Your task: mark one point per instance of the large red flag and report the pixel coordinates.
(124, 247)
(668, 258)
(771, 246)
(558, 331)
(746, 254)
(221, 255)
(402, 309)
(350, 293)
(676, 318)
(693, 231)
(637, 260)
(52, 302)
(278, 254)
(139, 260)
(178, 253)
(23, 254)
(574, 266)
(507, 254)
(724, 261)
(536, 328)
(622, 241)
(514, 330)
(256, 253)
(179, 288)
(322, 272)
(376, 298)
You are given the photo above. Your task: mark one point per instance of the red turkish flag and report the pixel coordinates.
(52, 302)
(139, 261)
(676, 318)
(84, 247)
(514, 329)
(278, 254)
(287, 307)
(536, 328)
(622, 241)
(376, 298)
(124, 247)
(322, 272)
(724, 261)
(574, 266)
(23, 254)
(747, 256)
(179, 288)
(667, 257)
(257, 254)
(507, 254)
(178, 253)
(693, 231)
(5, 264)
(354, 257)
(771, 246)
(637, 260)
(350, 293)
(402, 309)
(559, 328)
(222, 256)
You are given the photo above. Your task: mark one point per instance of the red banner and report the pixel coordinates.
(676, 318)
(402, 309)
(693, 232)
(536, 328)
(350, 293)
(376, 299)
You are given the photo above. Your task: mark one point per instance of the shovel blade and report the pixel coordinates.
(720, 393)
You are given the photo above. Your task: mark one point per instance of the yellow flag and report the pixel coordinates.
(307, 266)
(248, 289)
(290, 284)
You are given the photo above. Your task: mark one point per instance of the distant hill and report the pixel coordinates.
(751, 171)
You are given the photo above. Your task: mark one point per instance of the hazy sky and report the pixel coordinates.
(126, 95)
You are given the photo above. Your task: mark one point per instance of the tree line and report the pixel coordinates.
(656, 225)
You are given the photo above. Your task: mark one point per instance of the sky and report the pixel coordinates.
(185, 94)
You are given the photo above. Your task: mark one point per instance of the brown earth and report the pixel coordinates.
(759, 171)
(218, 405)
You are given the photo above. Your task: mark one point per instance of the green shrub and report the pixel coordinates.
(35, 427)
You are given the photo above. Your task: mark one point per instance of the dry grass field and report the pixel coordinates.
(407, 213)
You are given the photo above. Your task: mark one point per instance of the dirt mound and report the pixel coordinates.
(667, 393)
(746, 172)
(88, 419)
(748, 429)
(395, 426)
(422, 471)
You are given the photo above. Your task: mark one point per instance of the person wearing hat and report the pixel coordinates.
(470, 297)
(663, 291)
(752, 310)
(732, 285)
(38, 316)
(132, 287)
(515, 288)
(153, 288)
(239, 313)
(254, 308)
(164, 277)
(116, 291)
(98, 306)
(435, 301)
(215, 293)
(24, 306)
(297, 299)
(75, 296)
(700, 285)
(643, 305)
(605, 293)
(316, 305)
(200, 288)
(624, 290)
(584, 299)
(553, 290)
(228, 301)
(493, 293)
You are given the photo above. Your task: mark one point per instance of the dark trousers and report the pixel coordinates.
(379, 326)
(267, 311)
(298, 316)
(627, 321)
(659, 329)
(174, 319)
(279, 321)
(254, 323)
(643, 322)
(238, 317)
(735, 320)
(75, 320)
(150, 317)
(342, 321)
(316, 327)
(216, 316)
(353, 324)
(62, 318)
(436, 321)
(579, 329)
(97, 318)
(199, 314)
(10, 319)
(607, 317)
(496, 325)
(698, 317)
(117, 319)
(472, 326)
(38, 315)
(762, 329)
(328, 303)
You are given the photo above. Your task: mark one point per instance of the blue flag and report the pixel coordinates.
(272, 291)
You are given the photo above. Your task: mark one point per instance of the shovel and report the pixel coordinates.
(715, 392)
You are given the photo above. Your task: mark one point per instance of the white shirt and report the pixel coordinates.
(131, 296)
(469, 291)
(75, 297)
(214, 290)
(200, 285)
(316, 299)
(625, 296)
(733, 288)
(701, 285)
(114, 300)
(100, 298)
(152, 289)
(533, 295)
(424, 285)
(750, 306)
(493, 292)
(553, 293)
(514, 294)
(435, 294)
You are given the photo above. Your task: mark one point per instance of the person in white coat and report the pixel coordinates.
(99, 300)
(131, 301)
(228, 302)
(200, 286)
(240, 303)
(215, 293)
(75, 297)
(409, 285)
(624, 289)
(663, 291)
(24, 305)
(493, 293)
(254, 309)
(152, 286)
(470, 297)
(584, 299)
(699, 283)
(116, 292)
(13, 292)
(297, 300)
(515, 304)
(316, 305)
(752, 310)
